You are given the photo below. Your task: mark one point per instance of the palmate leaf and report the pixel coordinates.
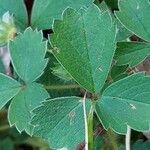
(131, 53)
(27, 55)
(8, 89)
(84, 43)
(126, 102)
(23, 103)
(134, 15)
(45, 11)
(61, 122)
(17, 8)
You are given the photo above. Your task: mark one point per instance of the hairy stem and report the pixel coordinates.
(128, 137)
(85, 122)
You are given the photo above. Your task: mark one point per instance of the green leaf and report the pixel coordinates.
(84, 43)
(61, 122)
(8, 89)
(17, 8)
(126, 102)
(131, 53)
(133, 15)
(141, 145)
(21, 106)
(56, 86)
(45, 11)
(27, 55)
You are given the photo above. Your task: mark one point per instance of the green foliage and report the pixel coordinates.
(77, 61)
(126, 52)
(133, 15)
(24, 102)
(126, 102)
(45, 11)
(67, 125)
(9, 89)
(23, 63)
(17, 8)
(27, 95)
(91, 54)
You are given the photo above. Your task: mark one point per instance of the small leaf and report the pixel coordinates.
(84, 43)
(8, 89)
(131, 53)
(45, 11)
(134, 15)
(56, 86)
(126, 102)
(61, 122)
(27, 55)
(21, 106)
(18, 9)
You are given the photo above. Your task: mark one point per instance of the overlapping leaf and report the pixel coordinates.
(22, 104)
(45, 11)
(8, 89)
(27, 55)
(131, 53)
(61, 122)
(84, 43)
(134, 14)
(126, 102)
(17, 8)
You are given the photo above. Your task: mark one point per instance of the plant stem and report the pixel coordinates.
(61, 87)
(128, 137)
(85, 122)
(90, 129)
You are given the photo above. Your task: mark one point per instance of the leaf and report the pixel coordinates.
(84, 43)
(21, 106)
(8, 89)
(138, 145)
(45, 11)
(27, 55)
(132, 53)
(56, 86)
(133, 15)
(18, 9)
(61, 122)
(126, 102)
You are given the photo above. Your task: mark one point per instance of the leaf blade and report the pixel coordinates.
(125, 103)
(19, 113)
(24, 56)
(55, 9)
(84, 54)
(133, 15)
(17, 8)
(8, 89)
(131, 53)
(65, 125)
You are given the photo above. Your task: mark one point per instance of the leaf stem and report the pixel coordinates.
(61, 87)
(90, 129)
(85, 122)
(128, 138)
